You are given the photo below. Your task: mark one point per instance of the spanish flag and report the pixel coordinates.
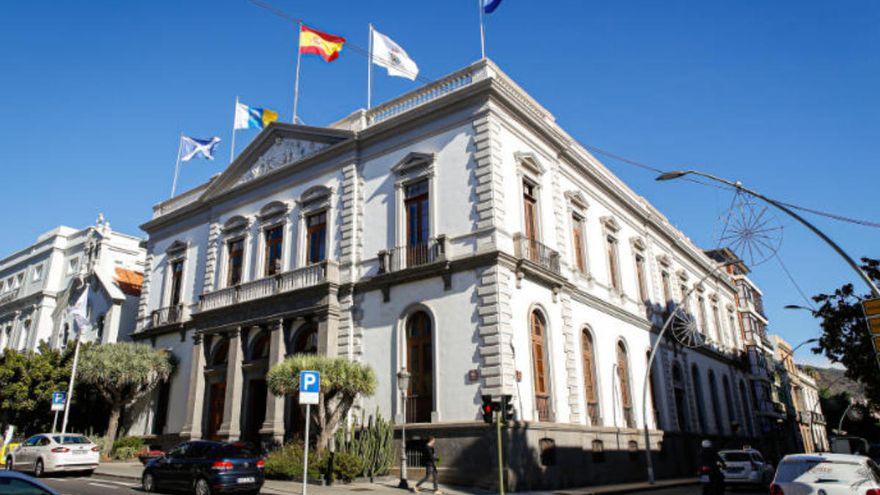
(326, 45)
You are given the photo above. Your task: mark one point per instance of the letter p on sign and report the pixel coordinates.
(309, 386)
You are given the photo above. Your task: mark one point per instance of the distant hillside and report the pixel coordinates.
(835, 381)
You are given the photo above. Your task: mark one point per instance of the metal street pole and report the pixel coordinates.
(306, 451)
(842, 417)
(500, 452)
(403, 385)
(648, 461)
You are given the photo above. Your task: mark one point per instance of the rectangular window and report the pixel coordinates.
(685, 300)
(530, 211)
(667, 288)
(701, 309)
(72, 265)
(416, 206)
(234, 266)
(716, 320)
(640, 278)
(272, 257)
(613, 267)
(577, 238)
(176, 282)
(19, 279)
(38, 273)
(316, 237)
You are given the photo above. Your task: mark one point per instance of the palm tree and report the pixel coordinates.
(124, 373)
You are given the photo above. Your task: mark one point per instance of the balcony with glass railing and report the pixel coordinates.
(534, 252)
(300, 278)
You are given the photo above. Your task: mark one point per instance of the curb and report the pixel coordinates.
(634, 488)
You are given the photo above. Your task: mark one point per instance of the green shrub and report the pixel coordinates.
(347, 466)
(371, 441)
(128, 442)
(286, 463)
(126, 453)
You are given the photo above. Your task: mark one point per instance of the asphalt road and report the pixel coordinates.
(92, 485)
(698, 490)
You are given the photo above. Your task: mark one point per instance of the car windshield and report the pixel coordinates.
(71, 439)
(735, 456)
(235, 451)
(822, 471)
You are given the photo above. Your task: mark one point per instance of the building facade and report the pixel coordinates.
(457, 232)
(38, 283)
(805, 421)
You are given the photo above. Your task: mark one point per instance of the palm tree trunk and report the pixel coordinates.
(113, 424)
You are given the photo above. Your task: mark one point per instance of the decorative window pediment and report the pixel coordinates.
(235, 224)
(610, 223)
(682, 274)
(315, 198)
(273, 211)
(177, 248)
(713, 297)
(528, 162)
(577, 199)
(637, 243)
(664, 260)
(414, 163)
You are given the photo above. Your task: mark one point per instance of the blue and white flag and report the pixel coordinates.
(197, 148)
(489, 6)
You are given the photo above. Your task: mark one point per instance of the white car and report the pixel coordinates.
(745, 467)
(826, 474)
(49, 453)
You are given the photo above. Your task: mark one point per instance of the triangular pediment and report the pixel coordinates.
(277, 147)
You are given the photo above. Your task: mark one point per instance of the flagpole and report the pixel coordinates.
(232, 148)
(482, 29)
(370, 70)
(298, 61)
(177, 166)
(69, 398)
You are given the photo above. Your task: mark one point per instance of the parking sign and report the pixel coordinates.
(309, 386)
(58, 400)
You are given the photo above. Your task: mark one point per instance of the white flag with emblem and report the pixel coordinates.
(388, 54)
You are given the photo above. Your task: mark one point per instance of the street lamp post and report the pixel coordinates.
(648, 461)
(402, 386)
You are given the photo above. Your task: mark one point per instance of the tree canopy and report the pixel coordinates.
(123, 373)
(342, 381)
(846, 339)
(27, 380)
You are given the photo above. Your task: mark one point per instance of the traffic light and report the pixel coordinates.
(507, 411)
(487, 408)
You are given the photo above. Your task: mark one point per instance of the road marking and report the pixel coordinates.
(118, 482)
(101, 485)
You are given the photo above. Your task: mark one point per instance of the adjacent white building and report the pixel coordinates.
(38, 283)
(458, 232)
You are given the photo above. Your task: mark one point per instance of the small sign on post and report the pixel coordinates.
(871, 307)
(58, 400)
(309, 392)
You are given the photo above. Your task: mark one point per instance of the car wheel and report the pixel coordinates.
(8, 464)
(88, 473)
(39, 469)
(202, 487)
(148, 482)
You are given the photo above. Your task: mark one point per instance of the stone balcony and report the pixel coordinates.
(402, 257)
(532, 251)
(300, 278)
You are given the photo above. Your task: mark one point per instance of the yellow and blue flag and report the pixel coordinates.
(253, 118)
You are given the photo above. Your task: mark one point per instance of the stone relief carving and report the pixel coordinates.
(283, 152)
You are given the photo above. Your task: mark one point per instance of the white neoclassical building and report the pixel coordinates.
(39, 282)
(458, 232)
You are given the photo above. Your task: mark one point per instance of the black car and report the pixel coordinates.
(206, 468)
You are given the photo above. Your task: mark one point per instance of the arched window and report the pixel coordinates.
(539, 365)
(305, 341)
(420, 363)
(680, 398)
(591, 391)
(220, 356)
(716, 404)
(744, 404)
(259, 347)
(623, 378)
(728, 399)
(698, 395)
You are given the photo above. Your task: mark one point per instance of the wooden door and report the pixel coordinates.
(589, 363)
(420, 363)
(539, 372)
(215, 412)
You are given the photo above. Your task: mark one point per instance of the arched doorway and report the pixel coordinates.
(304, 340)
(591, 391)
(420, 364)
(624, 384)
(698, 395)
(716, 404)
(539, 365)
(746, 410)
(216, 372)
(254, 404)
(680, 398)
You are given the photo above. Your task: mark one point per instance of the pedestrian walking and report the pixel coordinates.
(430, 459)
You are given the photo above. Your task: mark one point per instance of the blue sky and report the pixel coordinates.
(781, 95)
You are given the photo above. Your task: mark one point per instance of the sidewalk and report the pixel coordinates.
(133, 470)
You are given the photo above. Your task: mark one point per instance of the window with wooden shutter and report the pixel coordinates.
(577, 238)
(591, 393)
(539, 362)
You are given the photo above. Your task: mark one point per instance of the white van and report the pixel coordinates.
(826, 474)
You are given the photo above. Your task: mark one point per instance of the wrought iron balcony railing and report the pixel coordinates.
(167, 315)
(325, 271)
(402, 257)
(535, 252)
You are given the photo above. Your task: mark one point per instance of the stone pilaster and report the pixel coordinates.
(571, 349)
(143, 302)
(211, 255)
(350, 215)
(273, 426)
(230, 429)
(192, 428)
(328, 334)
(488, 176)
(497, 366)
(560, 214)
